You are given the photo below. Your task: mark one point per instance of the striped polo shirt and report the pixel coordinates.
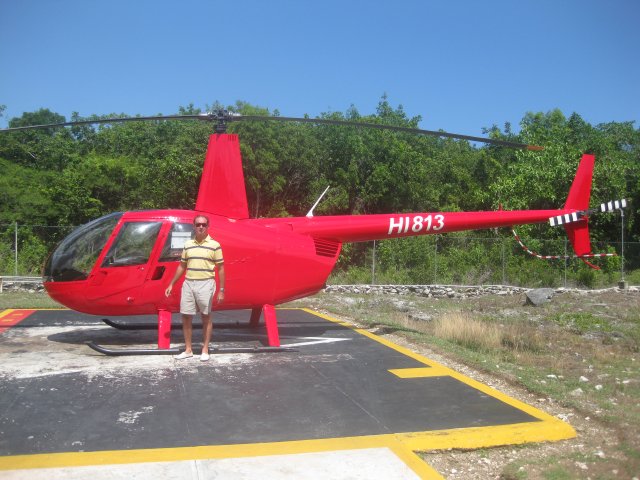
(201, 257)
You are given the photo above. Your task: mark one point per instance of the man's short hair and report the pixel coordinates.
(201, 216)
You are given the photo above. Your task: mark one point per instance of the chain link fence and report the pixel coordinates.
(24, 247)
(434, 259)
(454, 260)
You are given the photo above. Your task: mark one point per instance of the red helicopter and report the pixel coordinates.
(121, 264)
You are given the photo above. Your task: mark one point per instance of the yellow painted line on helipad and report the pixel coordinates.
(8, 311)
(113, 457)
(418, 372)
(548, 428)
(12, 317)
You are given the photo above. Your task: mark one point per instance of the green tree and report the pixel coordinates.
(48, 149)
(24, 195)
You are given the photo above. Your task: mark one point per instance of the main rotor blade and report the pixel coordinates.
(394, 128)
(106, 120)
(223, 117)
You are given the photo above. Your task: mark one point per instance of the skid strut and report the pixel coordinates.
(164, 335)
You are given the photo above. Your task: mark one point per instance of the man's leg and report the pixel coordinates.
(187, 304)
(207, 327)
(205, 306)
(187, 331)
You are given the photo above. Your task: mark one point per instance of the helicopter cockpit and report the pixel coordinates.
(76, 255)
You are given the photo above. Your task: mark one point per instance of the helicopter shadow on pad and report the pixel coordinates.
(230, 328)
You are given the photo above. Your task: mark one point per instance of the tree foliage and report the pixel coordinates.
(67, 176)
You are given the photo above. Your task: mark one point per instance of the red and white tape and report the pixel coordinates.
(559, 257)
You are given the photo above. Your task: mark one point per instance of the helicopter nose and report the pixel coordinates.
(69, 294)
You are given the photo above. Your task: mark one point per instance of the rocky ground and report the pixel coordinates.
(582, 369)
(595, 441)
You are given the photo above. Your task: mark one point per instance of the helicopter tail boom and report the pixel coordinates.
(358, 228)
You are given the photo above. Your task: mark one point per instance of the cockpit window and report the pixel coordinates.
(133, 245)
(180, 233)
(75, 256)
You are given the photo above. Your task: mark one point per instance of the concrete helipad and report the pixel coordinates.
(345, 404)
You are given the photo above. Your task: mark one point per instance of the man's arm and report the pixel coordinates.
(221, 280)
(179, 272)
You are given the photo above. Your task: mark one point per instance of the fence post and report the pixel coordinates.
(373, 265)
(622, 281)
(435, 263)
(504, 281)
(15, 265)
(566, 262)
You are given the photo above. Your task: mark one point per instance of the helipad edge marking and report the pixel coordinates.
(79, 459)
(549, 428)
(12, 317)
(418, 372)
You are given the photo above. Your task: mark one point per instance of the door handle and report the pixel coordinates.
(158, 273)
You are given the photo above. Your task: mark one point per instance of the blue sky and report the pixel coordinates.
(460, 65)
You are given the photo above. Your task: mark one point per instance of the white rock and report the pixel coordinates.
(582, 465)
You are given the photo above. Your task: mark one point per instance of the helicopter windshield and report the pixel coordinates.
(133, 245)
(75, 256)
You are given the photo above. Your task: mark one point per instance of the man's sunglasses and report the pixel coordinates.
(202, 224)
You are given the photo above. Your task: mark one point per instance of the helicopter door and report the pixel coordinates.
(125, 266)
(166, 261)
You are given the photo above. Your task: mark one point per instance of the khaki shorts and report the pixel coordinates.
(197, 296)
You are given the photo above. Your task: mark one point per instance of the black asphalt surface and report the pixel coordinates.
(339, 388)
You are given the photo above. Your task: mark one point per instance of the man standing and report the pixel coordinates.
(199, 258)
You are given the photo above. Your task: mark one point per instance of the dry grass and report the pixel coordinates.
(522, 337)
(463, 329)
(482, 335)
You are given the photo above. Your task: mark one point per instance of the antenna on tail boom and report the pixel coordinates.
(310, 213)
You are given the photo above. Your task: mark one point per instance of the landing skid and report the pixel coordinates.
(113, 352)
(154, 326)
(133, 351)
